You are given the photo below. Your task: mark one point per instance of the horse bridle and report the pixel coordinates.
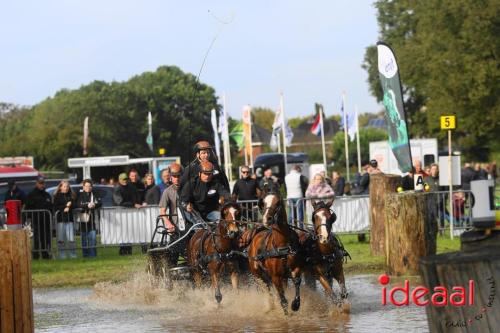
(328, 223)
(274, 216)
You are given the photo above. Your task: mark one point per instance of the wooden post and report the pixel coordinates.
(16, 296)
(380, 186)
(481, 264)
(411, 229)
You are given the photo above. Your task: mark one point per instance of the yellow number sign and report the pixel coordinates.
(448, 122)
(161, 151)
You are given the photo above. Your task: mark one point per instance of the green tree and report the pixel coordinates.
(263, 117)
(52, 130)
(448, 54)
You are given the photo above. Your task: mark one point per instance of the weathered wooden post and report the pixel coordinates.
(476, 269)
(411, 229)
(16, 296)
(380, 186)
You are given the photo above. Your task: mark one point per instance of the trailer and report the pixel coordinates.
(423, 150)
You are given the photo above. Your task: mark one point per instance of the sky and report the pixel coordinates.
(311, 51)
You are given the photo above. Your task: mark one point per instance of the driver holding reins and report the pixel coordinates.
(203, 195)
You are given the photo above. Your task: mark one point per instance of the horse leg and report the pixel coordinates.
(197, 278)
(296, 278)
(214, 274)
(324, 282)
(338, 274)
(278, 284)
(233, 266)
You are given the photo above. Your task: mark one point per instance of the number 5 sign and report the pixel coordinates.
(448, 122)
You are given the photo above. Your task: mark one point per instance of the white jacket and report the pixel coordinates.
(292, 182)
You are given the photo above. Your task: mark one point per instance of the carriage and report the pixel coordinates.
(208, 247)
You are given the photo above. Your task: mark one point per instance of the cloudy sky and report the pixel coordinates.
(309, 50)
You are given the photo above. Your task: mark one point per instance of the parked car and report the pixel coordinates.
(105, 192)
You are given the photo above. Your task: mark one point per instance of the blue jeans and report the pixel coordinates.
(66, 240)
(88, 243)
(213, 216)
(297, 205)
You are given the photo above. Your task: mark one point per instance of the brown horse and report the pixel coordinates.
(324, 252)
(211, 249)
(271, 253)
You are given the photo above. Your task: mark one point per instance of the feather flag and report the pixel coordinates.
(316, 126)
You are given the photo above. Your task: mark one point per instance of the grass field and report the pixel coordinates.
(109, 266)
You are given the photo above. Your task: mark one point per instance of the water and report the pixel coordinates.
(135, 306)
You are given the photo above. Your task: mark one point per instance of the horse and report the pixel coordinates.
(271, 252)
(211, 249)
(324, 252)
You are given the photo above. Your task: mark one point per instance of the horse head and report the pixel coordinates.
(323, 220)
(230, 213)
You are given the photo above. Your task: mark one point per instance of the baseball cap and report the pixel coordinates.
(40, 179)
(122, 176)
(374, 163)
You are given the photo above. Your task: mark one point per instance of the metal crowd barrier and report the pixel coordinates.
(41, 223)
(463, 201)
(250, 210)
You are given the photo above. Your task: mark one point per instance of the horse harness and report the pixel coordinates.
(217, 256)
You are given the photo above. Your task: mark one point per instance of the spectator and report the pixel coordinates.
(296, 185)
(103, 181)
(134, 180)
(491, 169)
(247, 189)
(64, 202)
(14, 192)
(364, 182)
(427, 169)
(269, 179)
(39, 199)
(150, 190)
(419, 170)
(319, 188)
(112, 181)
(88, 201)
(154, 194)
(433, 179)
(327, 179)
(338, 183)
(468, 175)
(125, 195)
(374, 167)
(480, 172)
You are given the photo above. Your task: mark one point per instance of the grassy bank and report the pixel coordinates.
(109, 266)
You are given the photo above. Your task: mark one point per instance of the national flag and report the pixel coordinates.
(316, 126)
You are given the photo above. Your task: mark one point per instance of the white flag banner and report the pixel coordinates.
(351, 125)
(216, 135)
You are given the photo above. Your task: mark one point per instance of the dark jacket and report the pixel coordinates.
(193, 171)
(433, 183)
(38, 199)
(203, 196)
(153, 195)
(272, 183)
(468, 175)
(364, 185)
(125, 196)
(141, 190)
(246, 189)
(60, 202)
(338, 187)
(82, 202)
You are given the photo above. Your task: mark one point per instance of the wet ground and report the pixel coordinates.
(135, 306)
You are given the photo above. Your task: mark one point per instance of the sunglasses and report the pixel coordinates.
(245, 171)
(208, 173)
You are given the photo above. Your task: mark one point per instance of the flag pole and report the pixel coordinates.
(322, 136)
(357, 139)
(251, 143)
(283, 131)
(85, 135)
(345, 137)
(227, 148)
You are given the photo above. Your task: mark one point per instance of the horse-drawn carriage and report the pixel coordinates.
(273, 250)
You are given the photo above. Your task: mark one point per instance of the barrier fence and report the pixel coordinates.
(63, 234)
